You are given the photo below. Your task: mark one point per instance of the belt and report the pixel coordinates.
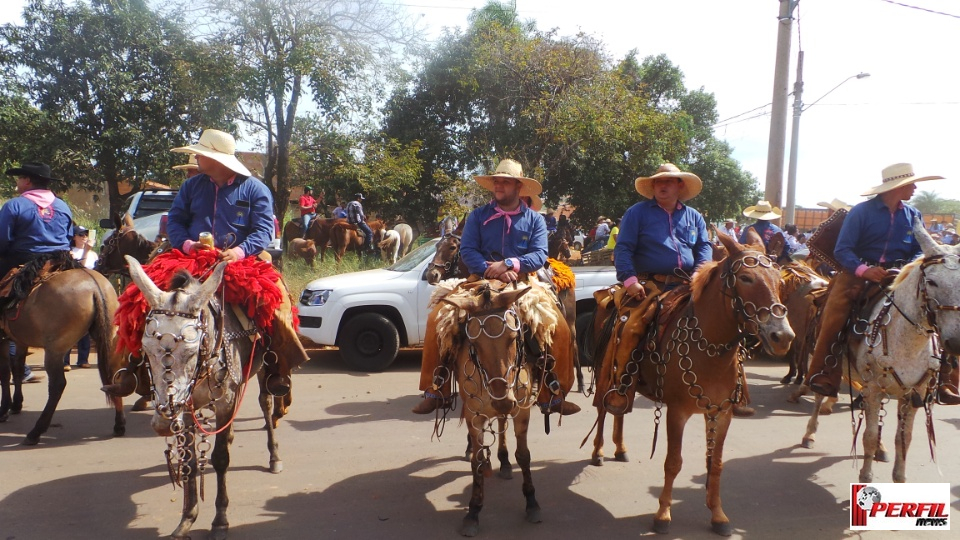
(665, 279)
(899, 263)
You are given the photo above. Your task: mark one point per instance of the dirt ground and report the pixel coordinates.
(358, 464)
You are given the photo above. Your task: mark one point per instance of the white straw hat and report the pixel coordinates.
(692, 185)
(191, 164)
(835, 204)
(898, 175)
(762, 210)
(218, 146)
(510, 169)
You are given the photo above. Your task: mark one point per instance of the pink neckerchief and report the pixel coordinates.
(500, 212)
(40, 197)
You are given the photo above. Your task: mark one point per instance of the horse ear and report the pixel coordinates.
(510, 295)
(118, 221)
(731, 244)
(210, 286)
(754, 240)
(151, 293)
(464, 302)
(775, 247)
(927, 243)
(128, 221)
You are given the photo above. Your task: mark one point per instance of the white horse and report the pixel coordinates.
(896, 359)
(406, 237)
(390, 246)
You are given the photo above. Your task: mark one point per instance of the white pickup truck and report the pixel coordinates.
(370, 315)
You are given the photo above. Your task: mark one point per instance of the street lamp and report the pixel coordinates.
(798, 108)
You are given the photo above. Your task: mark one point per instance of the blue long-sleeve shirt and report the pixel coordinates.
(238, 214)
(526, 241)
(871, 235)
(653, 241)
(764, 228)
(25, 228)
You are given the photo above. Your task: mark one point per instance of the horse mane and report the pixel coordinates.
(535, 309)
(702, 278)
(906, 271)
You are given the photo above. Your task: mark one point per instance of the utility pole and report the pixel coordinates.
(778, 115)
(794, 143)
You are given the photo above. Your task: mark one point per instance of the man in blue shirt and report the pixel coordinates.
(763, 212)
(500, 241)
(226, 200)
(355, 216)
(34, 224)
(876, 236)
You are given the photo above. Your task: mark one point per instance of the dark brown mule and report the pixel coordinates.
(447, 263)
(692, 360)
(558, 247)
(56, 314)
(344, 236)
(200, 358)
(481, 328)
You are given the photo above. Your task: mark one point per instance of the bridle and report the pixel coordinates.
(112, 245)
(451, 265)
(748, 313)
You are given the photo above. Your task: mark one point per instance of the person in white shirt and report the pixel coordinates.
(730, 229)
(82, 250)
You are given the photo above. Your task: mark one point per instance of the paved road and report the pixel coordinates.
(359, 465)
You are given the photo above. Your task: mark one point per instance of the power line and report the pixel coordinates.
(921, 9)
(741, 114)
(720, 125)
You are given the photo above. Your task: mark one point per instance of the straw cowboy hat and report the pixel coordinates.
(33, 169)
(536, 203)
(898, 175)
(762, 210)
(510, 169)
(834, 205)
(692, 185)
(218, 146)
(191, 164)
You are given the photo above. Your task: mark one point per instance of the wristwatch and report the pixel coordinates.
(509, 264)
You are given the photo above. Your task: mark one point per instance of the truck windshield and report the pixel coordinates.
(415, 257)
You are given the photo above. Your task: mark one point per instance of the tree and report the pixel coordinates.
(123, 99)
(330, 49)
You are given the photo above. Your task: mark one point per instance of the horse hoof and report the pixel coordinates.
(16, 409)
(218, 533)
(881, 456)
(506, 473)
(785, 380)
(470, 527)
(723, 529)
(3, 417)
(622, 458)
(807, 443)
(119, 431)
(142, 404)
(276, 467)
(661, 526)
(533, 515)
(31, 440)
(826, 410)
(597, 461)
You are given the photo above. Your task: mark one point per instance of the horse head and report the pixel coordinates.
(124, 241)
(558, 247)
(939, 287)
(492, 350)
(752, 281)
(446, 260)
(175, 337)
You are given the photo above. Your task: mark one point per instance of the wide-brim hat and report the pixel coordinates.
(762, 210)
(218, 146)
(536, 203)
(692, 185)
(510, 169)
(835, 204)
(33, 169)
(191, 164)
(898, 175)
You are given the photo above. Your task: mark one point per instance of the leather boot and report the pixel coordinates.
(743, 411)
(432, 402)
(284, 342)
(947, 391)
(823, 377)
(125, 381)
(561, 406)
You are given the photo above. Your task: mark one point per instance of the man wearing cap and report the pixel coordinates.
(501, 240)
(236, 208)
(355, 216)
(551, 222)
(36, 223)
(876, 236)
(308, 209)
(763, 212)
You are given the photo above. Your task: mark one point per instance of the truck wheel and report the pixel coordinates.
(369, 342)
(585, 338)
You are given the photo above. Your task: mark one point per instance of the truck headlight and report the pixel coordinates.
(315, 298)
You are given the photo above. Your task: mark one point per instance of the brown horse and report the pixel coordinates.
(691, 360)
(200, 358)
(56, 314)
(480, 326)
(447, 263)
(319, 232)
(344, 236)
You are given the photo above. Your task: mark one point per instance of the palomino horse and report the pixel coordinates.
(344, 236)
(896, 353)
(56, 314)
(482, 328)
(691, 360)
(200, 359)
(406, 237)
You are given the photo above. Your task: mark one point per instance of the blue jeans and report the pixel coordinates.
(306, 219)
(13, 352)
(83, 352)
(368, 241)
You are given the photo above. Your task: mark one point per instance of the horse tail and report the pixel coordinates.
(101, 330)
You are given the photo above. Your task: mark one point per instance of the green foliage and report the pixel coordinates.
(929, 202)
(297, 274)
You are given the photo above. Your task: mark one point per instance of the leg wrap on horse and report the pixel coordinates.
(825, 374)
